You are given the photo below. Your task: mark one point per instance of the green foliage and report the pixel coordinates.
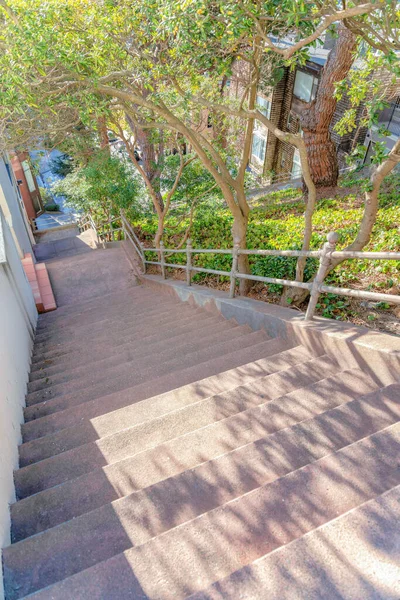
(101, 188)
(45, 195)
(52, 207)
(279, 225)
(333, 306)
(61, 165)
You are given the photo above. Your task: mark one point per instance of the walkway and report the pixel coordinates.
(171, 454)
(50, 220)
(64, 242)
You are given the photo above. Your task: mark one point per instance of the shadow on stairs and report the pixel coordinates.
(169, 453)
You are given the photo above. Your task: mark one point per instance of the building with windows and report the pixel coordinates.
(275, 160)
(389, 123)
(27, 184)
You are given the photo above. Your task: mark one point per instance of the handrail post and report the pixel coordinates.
(189, 263)
(162, 259)
(235, 255)
(324, 261)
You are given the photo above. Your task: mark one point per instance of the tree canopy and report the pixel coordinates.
(164, 64)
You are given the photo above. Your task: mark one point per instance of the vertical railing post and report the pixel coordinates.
(162, 260)
(235, 255)
(189, 262)
(324, 262)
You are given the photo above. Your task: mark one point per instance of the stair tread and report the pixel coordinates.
(194, 457)
(95, 409)
(59, 357)
(135, 320)
(187, 326)
(125, 306)
(126, 375)
(172, 412)
(222, 539)
(73, 310)
(135, 352)
(127, 441)
(336, 559)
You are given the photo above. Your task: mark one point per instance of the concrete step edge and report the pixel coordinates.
(264, 575)
(110, 403)
(61, 351)
(229, 335)
(213, 514)
(134, 352)
(117, 445)
(187, 324)
(170, 412)
(147, 314)
(79, 501)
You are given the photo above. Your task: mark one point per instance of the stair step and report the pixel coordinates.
(261, 420)
(349, 558)
(79, 377)
(131, 373)
(134, 315)
(63, 355)
(124, 304)
(195, 552)
(68, 313)
(193, 413)
(199, 455)
(95, 410)
(188, 325)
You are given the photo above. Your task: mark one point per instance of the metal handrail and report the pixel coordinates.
(132, 237)
(325, 255)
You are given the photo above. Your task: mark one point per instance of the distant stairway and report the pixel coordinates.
(170, 454)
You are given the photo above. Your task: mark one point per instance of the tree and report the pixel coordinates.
(74, 58)
(61, 165)
(317, 116)
(101, 187)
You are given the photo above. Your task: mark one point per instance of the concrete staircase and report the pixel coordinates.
(171, 454)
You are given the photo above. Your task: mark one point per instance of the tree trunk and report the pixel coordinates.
(103, 134)
(371, 206)
(239, 233)
(316, 117)
(159, 232)
(150, 162)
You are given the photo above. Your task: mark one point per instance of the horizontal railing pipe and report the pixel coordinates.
(287, 282)
(211, 271)
(330, 289)
(366, 255)
(316, 287)
(294, 253)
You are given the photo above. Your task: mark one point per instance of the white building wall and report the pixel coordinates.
(14, 210)
(17, 323)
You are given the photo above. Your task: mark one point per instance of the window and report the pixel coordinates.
(259, 146)
(283, 158)
(296, 168)
(9, 171)
(28, 176)
(264, 106)
(305, 86)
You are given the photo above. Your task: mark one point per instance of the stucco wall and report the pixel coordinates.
(17, 321)
(13, 211)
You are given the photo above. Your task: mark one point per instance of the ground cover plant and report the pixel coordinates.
(276, 223)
